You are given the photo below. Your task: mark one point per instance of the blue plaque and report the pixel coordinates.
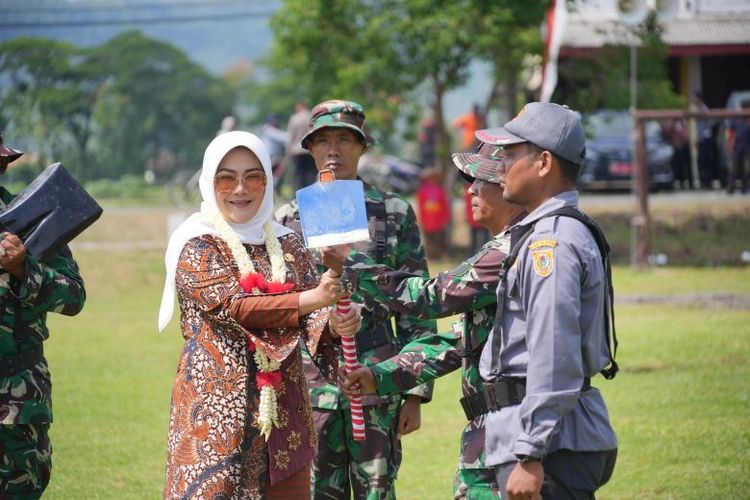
(333, 213)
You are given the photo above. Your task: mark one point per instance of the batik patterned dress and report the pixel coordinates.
(215, 449)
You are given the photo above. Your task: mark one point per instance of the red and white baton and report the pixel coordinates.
(349, 346)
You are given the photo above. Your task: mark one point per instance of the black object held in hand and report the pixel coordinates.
(50, 212)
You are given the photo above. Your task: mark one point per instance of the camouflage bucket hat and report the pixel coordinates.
(486, 164)
(337, 114)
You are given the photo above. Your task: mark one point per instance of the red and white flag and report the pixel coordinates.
(555, 20)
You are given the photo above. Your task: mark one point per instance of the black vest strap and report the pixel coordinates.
(376, 210)
(609, 298)
(518, 236)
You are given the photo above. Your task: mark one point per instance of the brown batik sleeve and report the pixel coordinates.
(266, 311)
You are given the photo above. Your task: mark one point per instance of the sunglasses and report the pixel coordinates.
(224, 182)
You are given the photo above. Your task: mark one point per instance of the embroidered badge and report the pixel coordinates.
(544, 262)
(542, 243)
(281, 459)
(295, 440)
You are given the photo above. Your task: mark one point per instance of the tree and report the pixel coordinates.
(326, 49)
(48, 98)
(153, 99)
(107, 111)
(520, 42)
(384, 53)
(603, 82)
(435, 40)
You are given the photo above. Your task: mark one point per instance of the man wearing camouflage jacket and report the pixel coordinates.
(336, 138)
(468, 288)
(29, 289)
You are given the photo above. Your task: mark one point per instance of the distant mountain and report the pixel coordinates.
(214, 33)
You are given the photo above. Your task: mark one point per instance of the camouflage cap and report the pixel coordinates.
(7, 155)
(486, 164)
(337, 114)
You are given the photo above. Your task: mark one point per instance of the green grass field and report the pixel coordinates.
(680, 405)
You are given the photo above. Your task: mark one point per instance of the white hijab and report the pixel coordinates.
(197, 224)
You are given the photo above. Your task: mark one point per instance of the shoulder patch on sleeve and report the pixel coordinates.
(544, 262)
(542, 243)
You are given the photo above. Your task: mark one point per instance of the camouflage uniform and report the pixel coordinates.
(373, 464)
(25, 400)
(469, 287)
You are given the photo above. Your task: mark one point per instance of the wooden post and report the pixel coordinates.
(641, 223)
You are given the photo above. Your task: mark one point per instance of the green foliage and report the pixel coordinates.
(384, 53)
(21, 174)
(156, 98)
(47, 99)
(603, 82)
(109, 110)
(514, 28)
(326, 49)
(127, 186)
(701, 237)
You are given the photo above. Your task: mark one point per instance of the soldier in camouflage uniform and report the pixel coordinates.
(28, 291)
(336, 139)
(469, 288)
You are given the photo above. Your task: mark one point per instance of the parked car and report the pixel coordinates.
(609, 153)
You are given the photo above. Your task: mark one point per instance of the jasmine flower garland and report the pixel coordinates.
(268, 376)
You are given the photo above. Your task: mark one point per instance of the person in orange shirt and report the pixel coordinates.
(469, 123)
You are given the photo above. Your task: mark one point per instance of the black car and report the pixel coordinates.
(609, 153)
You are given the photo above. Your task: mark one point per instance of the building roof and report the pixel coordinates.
(685, 36)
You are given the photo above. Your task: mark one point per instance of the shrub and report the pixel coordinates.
(127, 186)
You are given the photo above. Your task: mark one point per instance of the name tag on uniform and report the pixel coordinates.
(542, 243)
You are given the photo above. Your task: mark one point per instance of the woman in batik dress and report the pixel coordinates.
(240, 422)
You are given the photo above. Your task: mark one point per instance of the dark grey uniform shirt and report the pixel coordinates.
(552, 328)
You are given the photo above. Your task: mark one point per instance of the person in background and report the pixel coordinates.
(427, 142)
(738, 143)
(275, 141)
(433, 213)
(708, 166)
(305, 172)
(469, 288)
(228, 123)
(29, 289)
(469, 123)
(676, 135)
(343, 468)
(240, 421)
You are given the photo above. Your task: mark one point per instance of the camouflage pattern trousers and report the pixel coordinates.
(475, 484)
(366, 469)
(26, 460)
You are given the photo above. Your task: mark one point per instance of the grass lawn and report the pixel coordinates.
(680, 404)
